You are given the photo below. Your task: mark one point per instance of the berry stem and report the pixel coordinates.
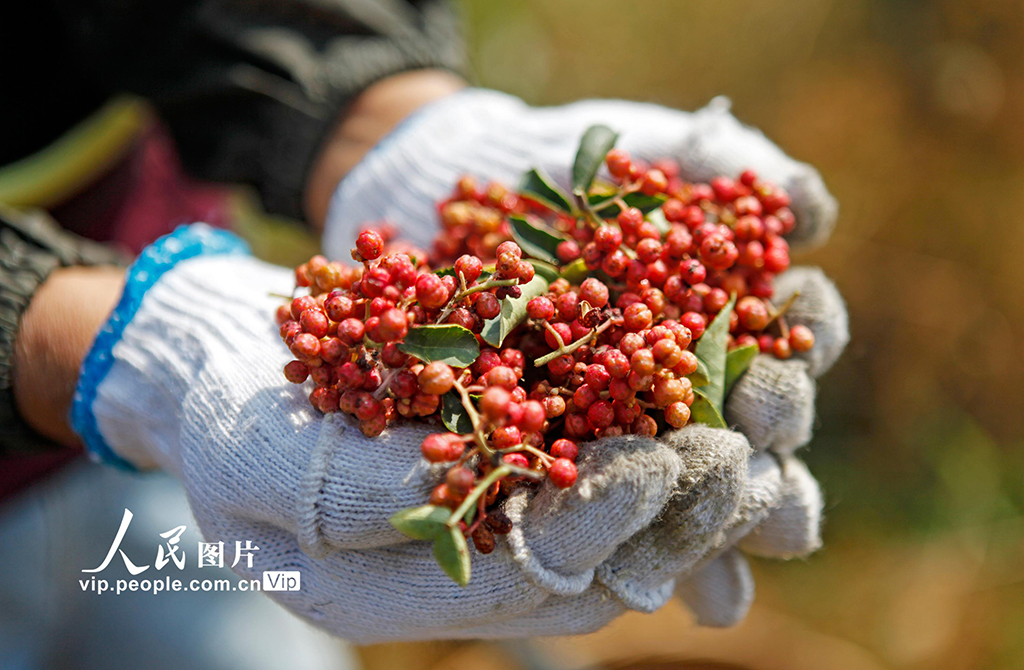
(478, 490)
(481, 514)
(568, 349)
(775, 313)
(548, 460)
(462, 295)
(474, 418)
(545, 458)
(778, 315)
(558, 338)
(590, 216)
(385, 383)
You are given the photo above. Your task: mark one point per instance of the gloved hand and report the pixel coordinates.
(493, 136)
(187, 375)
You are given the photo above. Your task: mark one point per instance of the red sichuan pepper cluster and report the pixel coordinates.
(597, 338)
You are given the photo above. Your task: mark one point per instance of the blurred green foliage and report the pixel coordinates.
(911, 110)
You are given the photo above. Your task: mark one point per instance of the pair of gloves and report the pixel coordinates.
(186, 376)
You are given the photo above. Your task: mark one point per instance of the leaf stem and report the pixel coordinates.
(591, 216)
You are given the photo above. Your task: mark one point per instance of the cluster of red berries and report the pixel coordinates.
(721, 238)
(607, 350)
(509, 433)
(609, 369)
(346, 336)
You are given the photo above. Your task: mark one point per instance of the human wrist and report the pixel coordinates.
(53, 337)
(371, 116)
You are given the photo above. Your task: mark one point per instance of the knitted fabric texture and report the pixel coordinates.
(196, 387)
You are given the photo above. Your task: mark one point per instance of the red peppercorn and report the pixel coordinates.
(562, 473)
(431, 291)
(567, 251)
(781, 348)
(487, 305)
(618, 163)
(369, 245)
(801, 338)
(494, 402)
(563, 448)
(296, 372)
(540, 308)
(506, 436)
(471, 268)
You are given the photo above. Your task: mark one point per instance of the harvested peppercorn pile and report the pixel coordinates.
(541, 320)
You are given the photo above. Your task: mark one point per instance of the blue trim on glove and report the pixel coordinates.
(184, 243)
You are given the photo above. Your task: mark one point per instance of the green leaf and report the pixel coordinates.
(538, 186)
(546, 270)
(452, 554)
(736, 363)
(454, 415)
(711, 350)
(421, 523)
(607, 208)
(575, 272)
(595, 143)
(447, 343)
(536, 241)
(513, 312)
(702, 411)
(700, 377)
(657, 217)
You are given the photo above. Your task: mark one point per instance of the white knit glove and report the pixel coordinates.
(187, 375)
(493, 136)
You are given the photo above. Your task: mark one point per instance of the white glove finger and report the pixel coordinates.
(710, 494)
(761, 494)
(773, 404)
(376, 595)
(316, 476)
(559, 536)
(793, 527)
(721, 592)
(558, 615)
(820, 307)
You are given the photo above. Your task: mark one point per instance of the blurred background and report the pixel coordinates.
(912, 111)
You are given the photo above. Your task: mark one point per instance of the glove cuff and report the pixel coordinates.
(149, 268)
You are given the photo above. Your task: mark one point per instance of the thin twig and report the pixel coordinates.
(563, 350)
(462, 295)
(478, 490)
